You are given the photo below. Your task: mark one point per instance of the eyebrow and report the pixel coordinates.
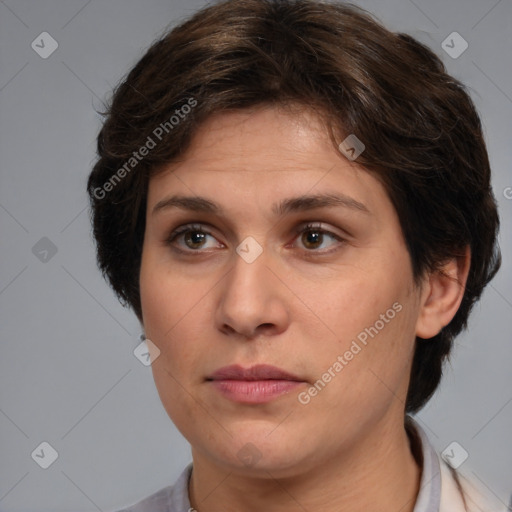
(293, 204)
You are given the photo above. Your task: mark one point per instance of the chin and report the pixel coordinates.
(263, 451)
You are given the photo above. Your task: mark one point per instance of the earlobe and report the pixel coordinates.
(442, 294)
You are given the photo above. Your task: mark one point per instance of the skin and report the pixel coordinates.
(298, 306)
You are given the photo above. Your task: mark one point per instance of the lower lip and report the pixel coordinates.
(254, 391)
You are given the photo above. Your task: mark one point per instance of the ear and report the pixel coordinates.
(442, 293)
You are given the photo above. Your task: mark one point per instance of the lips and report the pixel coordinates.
(257, 372)
(256, 385)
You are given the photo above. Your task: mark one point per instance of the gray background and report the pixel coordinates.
(68, 375)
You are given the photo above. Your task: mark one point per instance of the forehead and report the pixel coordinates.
(265, 132)
(260, 155)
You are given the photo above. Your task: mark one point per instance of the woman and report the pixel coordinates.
(296, 204)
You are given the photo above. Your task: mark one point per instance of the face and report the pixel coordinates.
(266, 246)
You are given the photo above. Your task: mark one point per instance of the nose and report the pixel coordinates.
(253, 300)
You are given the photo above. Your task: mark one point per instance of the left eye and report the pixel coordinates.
(313, 237)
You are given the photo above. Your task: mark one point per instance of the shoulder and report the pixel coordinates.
(157, 502)
(442, 488)
(173, 498)
(464, 493)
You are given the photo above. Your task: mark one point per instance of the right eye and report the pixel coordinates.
(191, 238)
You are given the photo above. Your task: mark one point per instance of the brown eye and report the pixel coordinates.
(192, 238)
(312, 239)
(195, 239)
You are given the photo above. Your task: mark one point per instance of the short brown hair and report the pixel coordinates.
(422, 134)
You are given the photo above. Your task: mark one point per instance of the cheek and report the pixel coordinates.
(351, 300)
(369, 320)
(171, 321)
(177, 312)
(171, 312)
(166, 298)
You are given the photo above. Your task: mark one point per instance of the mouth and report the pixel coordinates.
(257, 384)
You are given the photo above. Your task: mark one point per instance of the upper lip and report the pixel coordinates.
(257, 372)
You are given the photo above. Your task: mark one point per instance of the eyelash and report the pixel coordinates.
(191, 228)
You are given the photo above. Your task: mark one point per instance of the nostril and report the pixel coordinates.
(227, 329)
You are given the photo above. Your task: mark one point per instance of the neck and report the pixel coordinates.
(379, 472)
